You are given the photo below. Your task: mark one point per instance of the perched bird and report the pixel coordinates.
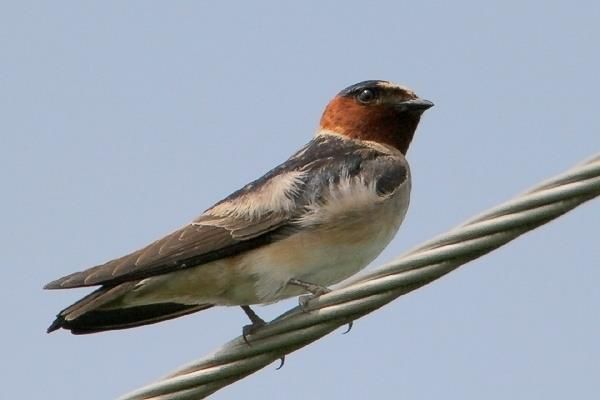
(311, 222)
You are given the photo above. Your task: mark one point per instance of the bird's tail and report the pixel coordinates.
(90, 314)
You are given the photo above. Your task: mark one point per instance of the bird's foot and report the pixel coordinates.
(304, 299)
(251, 329)
(257, 323)
(315, 290)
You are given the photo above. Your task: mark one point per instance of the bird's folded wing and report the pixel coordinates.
(197, 243)
(261, 212)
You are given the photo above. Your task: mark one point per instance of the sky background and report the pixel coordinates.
(122, 121)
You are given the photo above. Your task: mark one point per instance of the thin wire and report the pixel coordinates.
(418, 267)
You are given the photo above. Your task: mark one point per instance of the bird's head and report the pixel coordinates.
(378, 111)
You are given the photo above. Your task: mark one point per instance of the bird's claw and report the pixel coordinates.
(281, 363)
(350, 325)
(251, 329)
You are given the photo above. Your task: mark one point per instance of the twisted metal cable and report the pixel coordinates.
(297, 328)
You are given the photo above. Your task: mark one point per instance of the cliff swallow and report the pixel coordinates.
(311, 222)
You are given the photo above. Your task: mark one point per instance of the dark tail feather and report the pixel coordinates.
(123, 318)
(88, 316)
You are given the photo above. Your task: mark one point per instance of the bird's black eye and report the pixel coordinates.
(366, 96)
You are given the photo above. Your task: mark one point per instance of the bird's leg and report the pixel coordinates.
(316, 291)
(257, 322)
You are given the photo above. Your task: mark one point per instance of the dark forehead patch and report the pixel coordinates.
(357, 87)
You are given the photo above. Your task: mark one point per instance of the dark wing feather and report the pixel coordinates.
(189, 246)
(212, 237)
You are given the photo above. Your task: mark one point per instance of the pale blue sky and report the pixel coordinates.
(123, 120)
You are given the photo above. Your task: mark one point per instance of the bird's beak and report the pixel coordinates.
(414, 105)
